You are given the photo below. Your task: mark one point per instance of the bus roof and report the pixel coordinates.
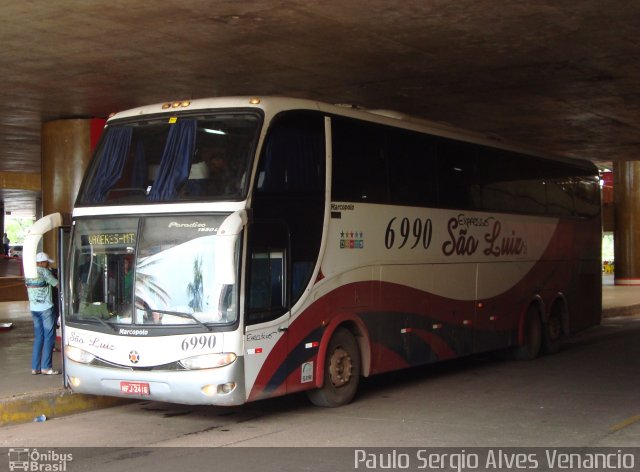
(272, 105)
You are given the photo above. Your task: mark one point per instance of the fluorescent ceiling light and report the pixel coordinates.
(213, 131)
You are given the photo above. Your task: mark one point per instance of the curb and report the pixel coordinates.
(613, 312)
(24, 408)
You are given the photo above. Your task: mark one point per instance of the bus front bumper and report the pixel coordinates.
(218, 386)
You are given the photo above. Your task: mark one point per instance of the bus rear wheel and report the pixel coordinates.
(532, 342)
(552, 334)
(341, 371)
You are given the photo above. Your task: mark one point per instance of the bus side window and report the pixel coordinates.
(289, 196)
(266, 287)
(359, 162)
(412, 168)
(457, 174)
(268, 268)
(587, 196)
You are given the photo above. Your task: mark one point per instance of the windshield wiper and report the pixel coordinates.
(108, 325)
(181, 314)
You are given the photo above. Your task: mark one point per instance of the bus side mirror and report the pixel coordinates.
(225, 246)
(30, 246)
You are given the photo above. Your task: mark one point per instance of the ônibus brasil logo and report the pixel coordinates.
(23, 458)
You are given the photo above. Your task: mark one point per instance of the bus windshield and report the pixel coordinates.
(151, 270)
(205, 157)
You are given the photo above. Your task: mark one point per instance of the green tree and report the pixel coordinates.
(17, 228)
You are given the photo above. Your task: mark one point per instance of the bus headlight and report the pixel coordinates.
(208, 361)
(222, 389)
(78, 355)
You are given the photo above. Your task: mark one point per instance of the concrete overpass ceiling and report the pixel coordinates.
(561, 76)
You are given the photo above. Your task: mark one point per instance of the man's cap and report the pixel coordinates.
(43, 257)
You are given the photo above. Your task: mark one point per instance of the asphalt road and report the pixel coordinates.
(587, 395)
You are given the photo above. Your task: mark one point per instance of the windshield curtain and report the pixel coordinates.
(176, 160)
(109, 170)
(155, 270)
(173, 159)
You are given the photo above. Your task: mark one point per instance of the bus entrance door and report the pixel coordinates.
(268, 315)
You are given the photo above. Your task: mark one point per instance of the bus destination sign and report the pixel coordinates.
(111, 239)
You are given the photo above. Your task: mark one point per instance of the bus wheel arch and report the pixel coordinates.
(341, 368)
(530, 337)
(555, 327)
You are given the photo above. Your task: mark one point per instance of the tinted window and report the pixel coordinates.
(360, 171)
(288, 210)
(457, 174)
(381, 164)
(412, 168)
(292, 160)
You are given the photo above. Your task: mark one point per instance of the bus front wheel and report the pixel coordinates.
(532, 342)
(341, 371)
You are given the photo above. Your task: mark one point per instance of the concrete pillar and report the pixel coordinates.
(66, 150)
(627, 222)
(2, 219)
(38, 207)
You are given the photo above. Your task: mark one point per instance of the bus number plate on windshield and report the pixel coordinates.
(134, 388)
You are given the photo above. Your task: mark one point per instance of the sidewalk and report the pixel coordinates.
(619, 300)
(24, 396)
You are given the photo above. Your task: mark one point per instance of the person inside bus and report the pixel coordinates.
(149, 316)
(127, 279)
(215, 175)
(219, 171)
(210, 176)
(196, 184)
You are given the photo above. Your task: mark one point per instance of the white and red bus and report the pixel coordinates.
(227, 250)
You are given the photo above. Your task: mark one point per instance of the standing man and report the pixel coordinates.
(44, 324)
(5, 244)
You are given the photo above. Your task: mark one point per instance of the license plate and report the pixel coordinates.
(134, 388)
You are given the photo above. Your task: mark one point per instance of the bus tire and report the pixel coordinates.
(552, 334)
(341, 371)
(532, 342)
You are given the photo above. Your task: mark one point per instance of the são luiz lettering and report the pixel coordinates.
(461, 243)
(493, 459)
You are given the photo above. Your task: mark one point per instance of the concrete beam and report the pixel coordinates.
(21, 181)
